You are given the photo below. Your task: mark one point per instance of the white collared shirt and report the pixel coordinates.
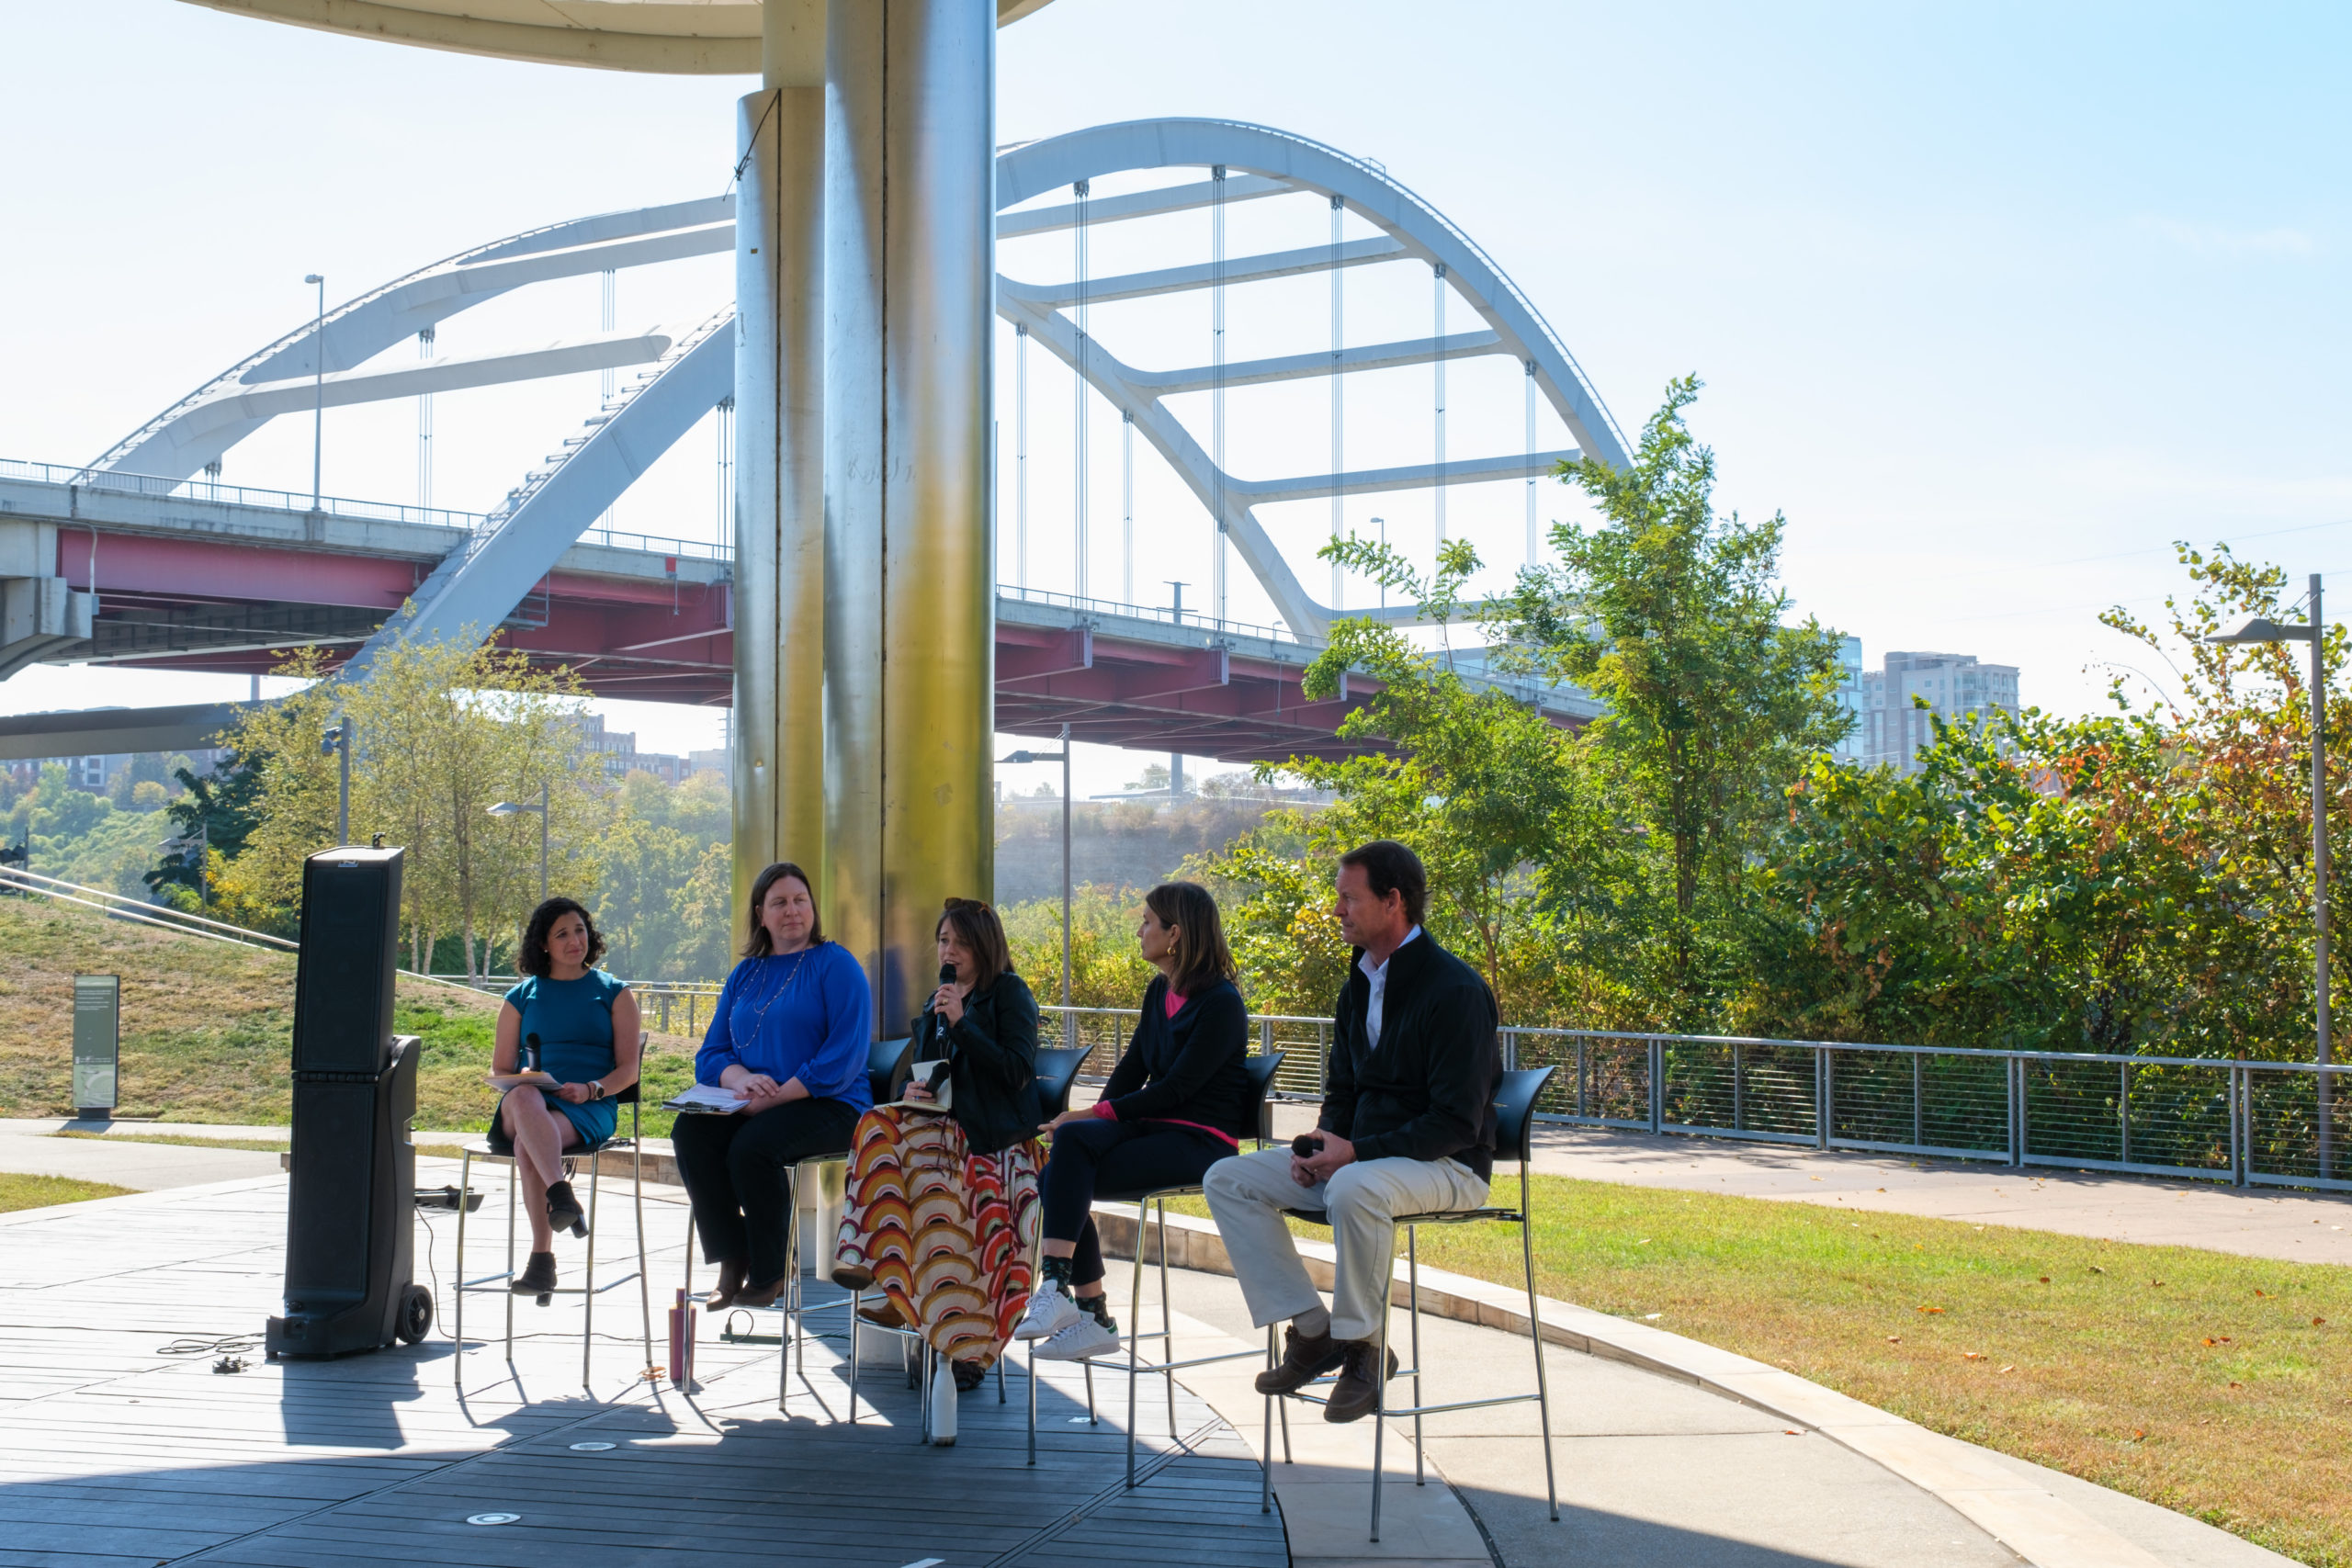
(1378, 974)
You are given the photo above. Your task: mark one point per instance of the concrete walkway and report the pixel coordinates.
(2253, 1222)
(28, 1148)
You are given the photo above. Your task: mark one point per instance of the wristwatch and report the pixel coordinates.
(598, 1085)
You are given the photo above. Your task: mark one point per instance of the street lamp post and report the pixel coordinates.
(1070, 1023)
(509, 808)
(336, 742)
(318, 385)
(2314, 632)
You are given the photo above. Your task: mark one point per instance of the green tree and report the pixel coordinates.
(1672, 615)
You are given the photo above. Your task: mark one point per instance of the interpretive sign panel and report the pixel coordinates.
(97, 1042)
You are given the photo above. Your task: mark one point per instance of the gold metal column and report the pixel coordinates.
(909, 606)
(779, 804)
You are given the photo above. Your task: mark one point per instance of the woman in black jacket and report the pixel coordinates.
(967, 1156)
(1178, 1102)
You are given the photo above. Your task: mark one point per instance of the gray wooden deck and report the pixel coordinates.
(113, 1455)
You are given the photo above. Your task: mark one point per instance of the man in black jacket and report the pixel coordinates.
(1408, 1128)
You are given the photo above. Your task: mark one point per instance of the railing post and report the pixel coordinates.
(1918, 1107)
(2017, 1109)
(2123, 1107)
(1821, 1097)
(1658, 1083)
(2237, 1130)
(1584, 1058)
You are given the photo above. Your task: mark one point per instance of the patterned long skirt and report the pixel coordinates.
(945, 1234)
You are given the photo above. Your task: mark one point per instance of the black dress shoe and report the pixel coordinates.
(1304, 1360)
(1356, 1396)
(564, 1212)
(730, 1284)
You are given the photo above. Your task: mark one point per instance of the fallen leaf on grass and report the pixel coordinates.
(1939, 1309)
(1894, 1339)
(2137, 1434)
(2011, 1368)
(2260, 1293)
(2044, 1279)
(2236, 1384)
(2317, 1321)
(2159, 1284)
(1969, 1356)
(2096, 1269)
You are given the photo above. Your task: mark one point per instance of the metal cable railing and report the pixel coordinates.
(2249, 1124)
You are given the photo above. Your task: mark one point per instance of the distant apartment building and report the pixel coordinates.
(1952, 686)
(1849, 698)
(618, 750)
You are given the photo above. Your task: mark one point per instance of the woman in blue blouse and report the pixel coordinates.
(792, 1032)
(579, 1025)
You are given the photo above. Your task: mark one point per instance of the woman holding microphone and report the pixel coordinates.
(941, 1210)
(791, 1035)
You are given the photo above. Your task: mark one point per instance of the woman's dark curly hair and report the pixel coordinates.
(532, 957)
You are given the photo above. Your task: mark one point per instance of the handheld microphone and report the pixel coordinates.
(947, 974)
(1306, 1146)
(946, 977)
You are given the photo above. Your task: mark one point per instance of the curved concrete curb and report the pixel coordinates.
(2029, 1519)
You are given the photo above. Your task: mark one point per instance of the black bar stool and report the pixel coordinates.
(1514, 1130)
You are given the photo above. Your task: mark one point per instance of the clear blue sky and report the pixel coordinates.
(1992, 302)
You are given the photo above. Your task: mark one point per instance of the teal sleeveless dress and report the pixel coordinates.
(573, 1019)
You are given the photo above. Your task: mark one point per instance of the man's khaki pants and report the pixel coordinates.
(1248, 1192)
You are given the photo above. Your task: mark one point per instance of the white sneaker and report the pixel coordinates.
(943, 1405)
(1049, 1313)
(1085, 1337)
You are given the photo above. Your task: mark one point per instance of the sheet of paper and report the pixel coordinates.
(704, 1097)
(517, 1080)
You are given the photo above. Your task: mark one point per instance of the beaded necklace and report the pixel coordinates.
(760, 1013)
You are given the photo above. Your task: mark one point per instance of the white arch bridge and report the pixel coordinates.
(139, 558)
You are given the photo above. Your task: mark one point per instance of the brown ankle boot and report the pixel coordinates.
(730, 1284)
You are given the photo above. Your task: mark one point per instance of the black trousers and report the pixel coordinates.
(1100, 1156)
(738, 1171)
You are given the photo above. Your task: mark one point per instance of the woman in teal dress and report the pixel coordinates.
(579, 1025)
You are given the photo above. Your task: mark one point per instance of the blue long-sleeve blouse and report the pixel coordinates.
(805, 1015)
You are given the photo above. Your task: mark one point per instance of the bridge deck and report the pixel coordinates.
(116, 1455)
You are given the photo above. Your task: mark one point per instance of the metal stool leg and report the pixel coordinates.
(1380, 1405)
(1535, 1331)
(1413, 1297)
(1091, 1418)
(644, 1285)
(465, 1186)
(857, 1298)
(513, 1201)
(588, 1293)
(1134, 1322)
(1166, 1324)
(1266, 1447)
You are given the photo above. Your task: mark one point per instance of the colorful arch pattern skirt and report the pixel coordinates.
(948, 1236)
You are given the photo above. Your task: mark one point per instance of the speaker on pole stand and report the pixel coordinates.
(350, 1211)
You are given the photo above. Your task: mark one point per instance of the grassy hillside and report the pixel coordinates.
(207, 1027)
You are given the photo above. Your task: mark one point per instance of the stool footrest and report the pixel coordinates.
(1142, 1368)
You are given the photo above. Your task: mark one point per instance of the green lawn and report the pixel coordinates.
(208, 1027)
(40, 1192)
(2216, 1385)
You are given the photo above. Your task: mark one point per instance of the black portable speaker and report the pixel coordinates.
(343, 986)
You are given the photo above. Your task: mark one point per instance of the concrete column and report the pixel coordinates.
(779, 604)
(909, 601)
